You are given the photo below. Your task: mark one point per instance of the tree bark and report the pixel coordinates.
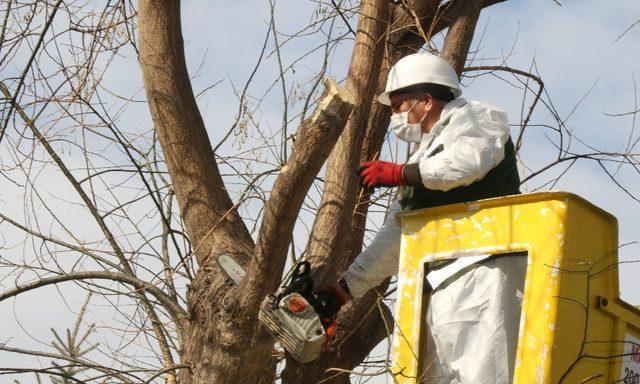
(315, 139)
(460, 34)
(223, 341)
(333, 221)
(331, 243)
(206, 208)
(212, 224)
(345, 205)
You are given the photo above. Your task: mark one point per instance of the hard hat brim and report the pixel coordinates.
(384, 98)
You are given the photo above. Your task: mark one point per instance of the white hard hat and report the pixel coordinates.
(420, 68)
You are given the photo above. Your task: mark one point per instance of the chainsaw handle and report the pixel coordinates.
(299, 282)
(303, 269)
(302, 285)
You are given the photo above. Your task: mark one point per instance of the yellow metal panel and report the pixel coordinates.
(572, 261)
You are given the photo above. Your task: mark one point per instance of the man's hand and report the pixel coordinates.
(380, 174)
(328, 302)
(330, 299)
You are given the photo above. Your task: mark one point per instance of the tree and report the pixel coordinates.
(199, 325)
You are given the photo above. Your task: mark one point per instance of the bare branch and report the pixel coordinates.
(13, 99)
(177, 312)
(625, 31)
(537, 79)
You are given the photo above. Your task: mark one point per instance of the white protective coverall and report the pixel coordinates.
(474, 310)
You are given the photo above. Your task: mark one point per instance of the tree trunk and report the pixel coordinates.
(223, 342)
(339, 228)
(212, 224)
(315, 139)
(336, 234)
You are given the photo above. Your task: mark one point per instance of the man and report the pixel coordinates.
(464, 153)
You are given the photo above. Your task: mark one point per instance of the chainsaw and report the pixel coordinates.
(293, 314)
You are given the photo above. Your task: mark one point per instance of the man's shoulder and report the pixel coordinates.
(479, 109)
(478, 106)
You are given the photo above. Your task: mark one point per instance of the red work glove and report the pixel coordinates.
(328, 302)
(330, 299)
(381, 174)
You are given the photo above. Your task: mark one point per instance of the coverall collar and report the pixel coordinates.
(449, 108)
(445, 115)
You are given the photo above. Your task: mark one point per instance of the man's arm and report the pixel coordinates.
(379, 260)
(474, 143)
(369, 269)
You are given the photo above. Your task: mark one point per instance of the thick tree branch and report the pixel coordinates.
(406, 36)
(460, 34)
(333, 221)
(314, 141)
(211, 220)
(200, 191)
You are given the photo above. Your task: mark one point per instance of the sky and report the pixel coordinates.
(577, 52)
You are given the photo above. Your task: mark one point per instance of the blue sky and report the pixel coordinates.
(573, 46)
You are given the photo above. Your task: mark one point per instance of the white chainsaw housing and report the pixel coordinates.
(296, 325)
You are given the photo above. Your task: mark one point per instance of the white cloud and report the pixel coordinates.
(572, 45)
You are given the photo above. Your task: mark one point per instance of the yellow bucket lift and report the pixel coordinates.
(574, 328)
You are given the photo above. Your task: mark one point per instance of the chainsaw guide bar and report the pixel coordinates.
(231, 268)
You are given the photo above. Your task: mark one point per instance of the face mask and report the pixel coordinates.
(399, 125)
